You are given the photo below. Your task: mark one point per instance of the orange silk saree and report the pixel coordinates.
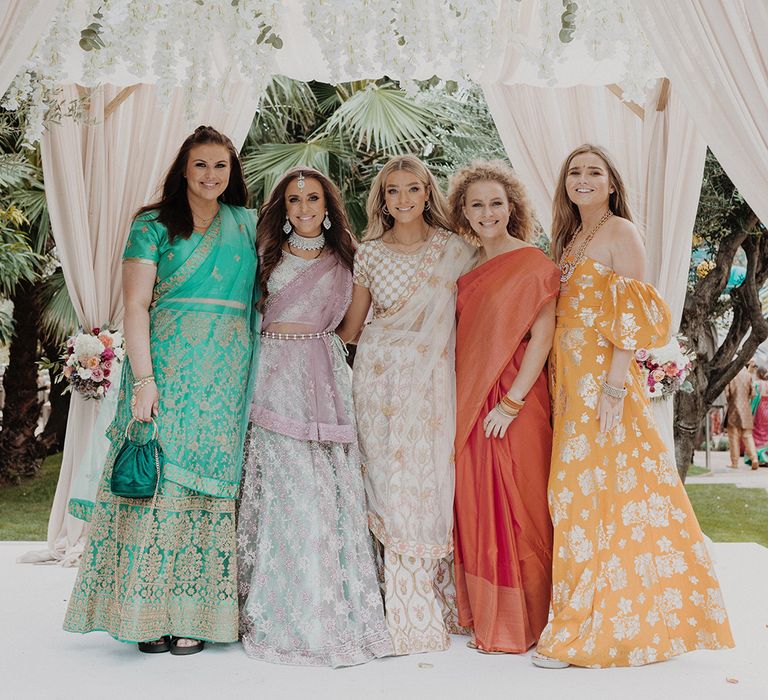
(502, 531)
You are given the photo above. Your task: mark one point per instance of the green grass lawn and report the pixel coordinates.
(726, 512)
(695, 470)
(730, 514)
(24, 509)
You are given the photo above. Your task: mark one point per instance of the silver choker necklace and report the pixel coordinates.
(302, 243)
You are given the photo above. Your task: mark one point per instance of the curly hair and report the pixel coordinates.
(269, 232)
(521, 222)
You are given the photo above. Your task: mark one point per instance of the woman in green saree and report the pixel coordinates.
(162, 571)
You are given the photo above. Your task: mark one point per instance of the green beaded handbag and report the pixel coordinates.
(138, 466)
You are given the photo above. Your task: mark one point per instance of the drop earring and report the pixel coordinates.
(287, 228)
(326, 221)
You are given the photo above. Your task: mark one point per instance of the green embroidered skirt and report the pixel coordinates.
(145, 574)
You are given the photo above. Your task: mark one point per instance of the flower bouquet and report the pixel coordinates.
(90, 359)
(666, 368)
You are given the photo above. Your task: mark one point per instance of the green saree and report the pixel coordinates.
(148, 572)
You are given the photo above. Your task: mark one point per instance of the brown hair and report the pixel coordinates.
(270, 235)
(172, 209)
(379, 222)
(762, 373)
(565, 214)
(520, 224)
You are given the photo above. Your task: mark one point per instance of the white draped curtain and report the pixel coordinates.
(97, 174)
(656, 148)
(716, 55)
(22, 22)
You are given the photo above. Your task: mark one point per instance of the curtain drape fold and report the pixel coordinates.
(97, 173)
(659, 154)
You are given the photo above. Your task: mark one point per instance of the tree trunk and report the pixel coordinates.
(690, 410)
(20, 452)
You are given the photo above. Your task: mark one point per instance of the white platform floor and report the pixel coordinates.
(39, 660)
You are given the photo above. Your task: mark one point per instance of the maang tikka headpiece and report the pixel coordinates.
(300, 183)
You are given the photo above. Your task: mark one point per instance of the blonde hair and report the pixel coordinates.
(521, 222)
(379, 222)
(565, 214)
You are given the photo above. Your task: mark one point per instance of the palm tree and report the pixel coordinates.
(349, 130)
(42, 316)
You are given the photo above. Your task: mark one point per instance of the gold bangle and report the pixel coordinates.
(512, 403)
(506, 411)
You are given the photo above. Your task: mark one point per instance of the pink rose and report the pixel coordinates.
(641, 354)
(106, 340)
(95, 331)
(97, 375)
(107, 372)
(671, 369)
(108, 354)
(658, 375)
(68, 371)
(91, 362)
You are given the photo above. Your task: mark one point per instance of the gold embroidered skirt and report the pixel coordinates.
(146, 573)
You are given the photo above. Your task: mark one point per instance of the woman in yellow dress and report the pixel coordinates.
(632, 579)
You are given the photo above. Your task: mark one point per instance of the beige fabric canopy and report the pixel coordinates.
(97, 175)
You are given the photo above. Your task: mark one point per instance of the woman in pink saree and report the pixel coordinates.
(307, 578)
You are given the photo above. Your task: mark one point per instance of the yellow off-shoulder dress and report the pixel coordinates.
(632, 579)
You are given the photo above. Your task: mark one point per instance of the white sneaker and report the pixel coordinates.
(547, 662)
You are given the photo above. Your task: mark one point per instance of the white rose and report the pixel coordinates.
(86, 345)
(84, 373)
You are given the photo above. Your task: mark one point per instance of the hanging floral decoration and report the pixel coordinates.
(202, 44)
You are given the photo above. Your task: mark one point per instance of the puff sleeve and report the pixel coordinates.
(633, 314)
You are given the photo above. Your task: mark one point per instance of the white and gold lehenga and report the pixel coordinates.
(405, 403)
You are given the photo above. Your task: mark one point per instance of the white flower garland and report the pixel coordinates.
(172, 39)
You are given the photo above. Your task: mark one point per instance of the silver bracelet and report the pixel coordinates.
(613, 391)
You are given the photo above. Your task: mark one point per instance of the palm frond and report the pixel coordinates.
(6, 322)
(327, 97)
(383, 119)
(18, 262)
(31, 200)
(263, 167)
(14, 169)
(58, 317)
(288, 107)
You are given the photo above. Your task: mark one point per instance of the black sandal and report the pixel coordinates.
(158, 646)
(176, 650)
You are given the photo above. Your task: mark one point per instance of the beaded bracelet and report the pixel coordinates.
(139, 384)
(613, 391)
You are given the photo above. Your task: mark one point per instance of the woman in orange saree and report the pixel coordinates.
(505, 324)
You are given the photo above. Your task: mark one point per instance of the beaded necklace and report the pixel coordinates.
(570, 260)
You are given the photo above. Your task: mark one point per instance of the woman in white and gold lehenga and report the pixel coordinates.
(404, 394)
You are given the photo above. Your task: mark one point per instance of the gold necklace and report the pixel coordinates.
(568, 262)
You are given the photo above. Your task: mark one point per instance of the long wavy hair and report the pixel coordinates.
(521, 222)
(173, 210)
(565, 214)
(269, 232)
(379, 222)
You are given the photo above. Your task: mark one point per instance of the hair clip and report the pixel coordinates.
(300, 183)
